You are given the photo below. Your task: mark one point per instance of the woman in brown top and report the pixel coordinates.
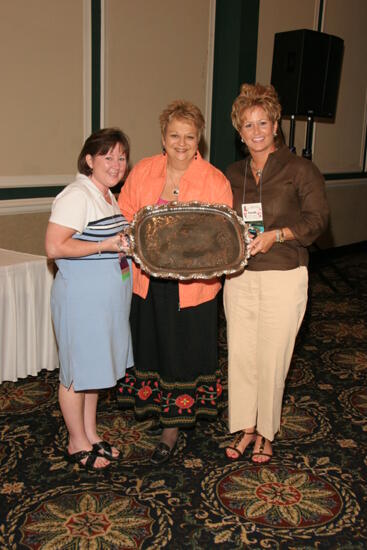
(283, 197)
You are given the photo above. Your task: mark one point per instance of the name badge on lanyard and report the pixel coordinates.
(252, 213)
(124, 266)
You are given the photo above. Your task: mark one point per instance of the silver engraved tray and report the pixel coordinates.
(190, 240)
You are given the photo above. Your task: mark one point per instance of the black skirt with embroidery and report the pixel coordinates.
(176, 375)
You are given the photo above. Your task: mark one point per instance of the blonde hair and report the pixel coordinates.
(183, 110)
(256, 95)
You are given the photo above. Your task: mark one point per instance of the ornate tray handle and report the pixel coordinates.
(191, 240)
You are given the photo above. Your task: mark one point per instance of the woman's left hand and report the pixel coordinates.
(123, 243)
(262, 243)
(117, 243)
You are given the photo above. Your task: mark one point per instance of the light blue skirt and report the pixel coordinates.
(90, 302)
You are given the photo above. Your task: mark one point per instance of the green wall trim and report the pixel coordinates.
(321, 16)
(346, 176)
(235, 53)
(96, 64)
(11, 193)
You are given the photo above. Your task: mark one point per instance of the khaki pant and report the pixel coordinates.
(264, 310)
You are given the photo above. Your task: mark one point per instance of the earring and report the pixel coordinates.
(242, 140)
(196, 155)
(163, 151)
(275, 134)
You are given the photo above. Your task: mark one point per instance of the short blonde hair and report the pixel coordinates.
(183, 110)
(255, 95)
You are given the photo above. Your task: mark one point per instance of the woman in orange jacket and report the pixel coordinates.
(174, 324)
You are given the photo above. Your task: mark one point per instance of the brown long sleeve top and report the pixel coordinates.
(292, 195)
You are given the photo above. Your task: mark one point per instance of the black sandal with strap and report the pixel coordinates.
(240, 436)
(106, 449)
(162, 453)
(89, 464)
(261, 452)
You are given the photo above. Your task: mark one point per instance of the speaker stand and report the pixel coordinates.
(307, 151)
(291, 133)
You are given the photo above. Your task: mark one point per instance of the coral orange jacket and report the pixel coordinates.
(144, 186)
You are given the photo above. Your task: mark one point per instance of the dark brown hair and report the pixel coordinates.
(99, 143)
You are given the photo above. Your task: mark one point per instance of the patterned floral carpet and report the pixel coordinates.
(312, 495)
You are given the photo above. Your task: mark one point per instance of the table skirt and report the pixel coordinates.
(27, 340)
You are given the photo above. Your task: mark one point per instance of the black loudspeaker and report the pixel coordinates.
(306, 72)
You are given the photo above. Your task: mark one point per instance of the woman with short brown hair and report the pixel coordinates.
(91, 293)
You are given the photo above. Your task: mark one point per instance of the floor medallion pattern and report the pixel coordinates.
(311, 496)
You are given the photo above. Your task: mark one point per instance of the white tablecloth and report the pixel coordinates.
(27, 341)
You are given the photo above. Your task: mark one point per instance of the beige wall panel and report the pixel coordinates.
(282, 16)
(339, 146)
(24, 232)
(347, 201)
(155, 52)
(41, 60)
(279, 16)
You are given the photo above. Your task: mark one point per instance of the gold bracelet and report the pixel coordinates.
(279, 236)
